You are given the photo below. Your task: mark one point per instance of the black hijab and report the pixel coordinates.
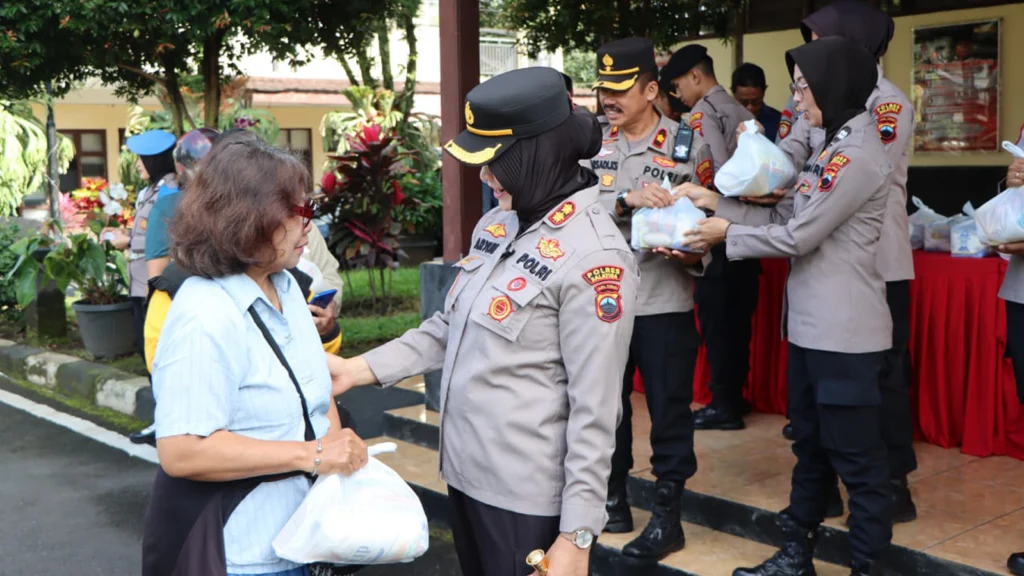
(159, 165)
(840, 75)
(541, 171)
(855, 20)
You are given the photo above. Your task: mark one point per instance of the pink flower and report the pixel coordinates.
(371, 133)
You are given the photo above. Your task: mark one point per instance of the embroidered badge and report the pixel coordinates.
(828, 179)
(500, 308)
(787, 113)
(516, 284)
(614, 132)
(467, 260)
(659, 138)
(601, 274)
(804, 188)
(888, 108)
(563, 213)
(608, 302)
(143, 223)
(549, 248)
(607, 180)
(823, 155)
(697, 122)
(784, 126)
(497, 230)
(664, 162)
(887, 129)
(605, 152)
(705, 173)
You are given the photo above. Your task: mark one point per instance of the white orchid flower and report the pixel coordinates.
(113, 208)
(118, 192)
(104, 199)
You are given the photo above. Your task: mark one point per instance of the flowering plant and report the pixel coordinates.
(111, 204)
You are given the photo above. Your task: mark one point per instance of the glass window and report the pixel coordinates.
(90, 159)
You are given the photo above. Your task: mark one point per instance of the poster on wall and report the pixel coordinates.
(955, 88)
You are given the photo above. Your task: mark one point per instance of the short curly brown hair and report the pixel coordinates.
(227, 217)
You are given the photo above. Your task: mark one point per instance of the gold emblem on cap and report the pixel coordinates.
(607, 61)
(469, 114)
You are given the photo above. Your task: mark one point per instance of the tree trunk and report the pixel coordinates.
(365, 65)
(211, 78)
(348, 71)
(408, 23)
(625, 23)
(174, 97)
(384, 46)
(52, 173)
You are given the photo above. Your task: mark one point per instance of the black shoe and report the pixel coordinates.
(664, 533)
(620, 518)
(145, 436)
(867, 568)
(745, 407)
(710, 418)
(903, 508)
(787, 432)
(835, 504)
(796, 558)
(1016, 564)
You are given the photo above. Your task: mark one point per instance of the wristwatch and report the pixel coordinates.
(582, 539)
(620, 200)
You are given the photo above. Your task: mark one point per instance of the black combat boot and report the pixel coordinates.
(712, 418)
(1016, 564)
(664, 533)
(835, 504)
(867, 568)
(620, 518)
(796, 558)
(903, 508)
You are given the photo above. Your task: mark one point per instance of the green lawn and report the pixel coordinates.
(405, 286)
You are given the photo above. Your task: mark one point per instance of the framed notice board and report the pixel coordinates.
(955, 87)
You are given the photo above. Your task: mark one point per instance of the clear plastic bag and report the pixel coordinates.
(758, 167)
(919, 220)
(966, 238)
(371, 517)
(665, 227)
(1001, 219)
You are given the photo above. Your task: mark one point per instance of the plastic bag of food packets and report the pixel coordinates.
(664, 227)
(370, 517)
(965, 237)
(919, 220)
(1001, 219)
(757, 168)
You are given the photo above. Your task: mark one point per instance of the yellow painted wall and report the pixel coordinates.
(768, 51)
(306, 117)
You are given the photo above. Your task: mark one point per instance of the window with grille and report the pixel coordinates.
(300, 142)
(90, 159)
(497, 55)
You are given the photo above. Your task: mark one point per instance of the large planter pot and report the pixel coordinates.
(418, 249)
(108, 330)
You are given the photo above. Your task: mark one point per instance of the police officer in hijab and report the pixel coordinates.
(872, 29)
(532, 340)
(838, 321)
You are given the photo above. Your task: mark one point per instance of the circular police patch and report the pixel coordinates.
(887, 129)
(516, 284)
(609, 302)
(783, 129)
(500, 308)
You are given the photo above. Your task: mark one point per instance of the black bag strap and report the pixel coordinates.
(310, 435)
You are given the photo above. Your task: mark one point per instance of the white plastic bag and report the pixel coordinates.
(919, 220)
(1001, 219)
(965, 237)
(370, 517)
(758, 167)
(664, 227)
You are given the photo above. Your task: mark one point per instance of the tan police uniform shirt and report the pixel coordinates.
(715, 118)
(532, 341)
(894, 116)
(666, 285)
(830, 225)
(137, 272)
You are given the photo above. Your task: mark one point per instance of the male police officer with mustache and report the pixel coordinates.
(642, 148)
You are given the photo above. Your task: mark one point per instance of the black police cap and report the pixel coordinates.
(621, 62)
(517, 104)
(684, 60)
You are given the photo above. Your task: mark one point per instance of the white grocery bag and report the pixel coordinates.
(1001, 219)
(758, 167)
(370, 517)
(664, 227)
(919, 220)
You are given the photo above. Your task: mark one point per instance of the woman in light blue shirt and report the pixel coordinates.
(241, 426)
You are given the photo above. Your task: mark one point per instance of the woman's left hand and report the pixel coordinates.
(709, 232)
(1015, 174)
(565, 559)
(324, 318)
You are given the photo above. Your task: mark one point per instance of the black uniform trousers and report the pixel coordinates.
(1015, 343)
(495, 542)
(726, 299)
(897, 422)
(664, 349)
(835, 409)
(139, 321)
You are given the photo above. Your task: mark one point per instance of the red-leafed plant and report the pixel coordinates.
(362, 193)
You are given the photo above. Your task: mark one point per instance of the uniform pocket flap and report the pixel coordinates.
(518, 287)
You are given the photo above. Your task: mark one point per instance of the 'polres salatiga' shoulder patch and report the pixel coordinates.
(606, 281)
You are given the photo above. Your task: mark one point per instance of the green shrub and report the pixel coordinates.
(9, 233)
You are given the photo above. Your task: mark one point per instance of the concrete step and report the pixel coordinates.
(714, 515)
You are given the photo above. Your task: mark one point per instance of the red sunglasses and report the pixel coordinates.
(307, 211)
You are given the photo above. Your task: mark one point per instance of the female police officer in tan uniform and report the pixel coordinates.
(532, 340)
(838, 321)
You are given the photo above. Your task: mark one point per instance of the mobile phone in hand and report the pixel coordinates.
(323, 299)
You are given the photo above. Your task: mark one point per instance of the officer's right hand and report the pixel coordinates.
(742, 127)
(768, 200)
(116, 236)
(650, 196)
(343, 453)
